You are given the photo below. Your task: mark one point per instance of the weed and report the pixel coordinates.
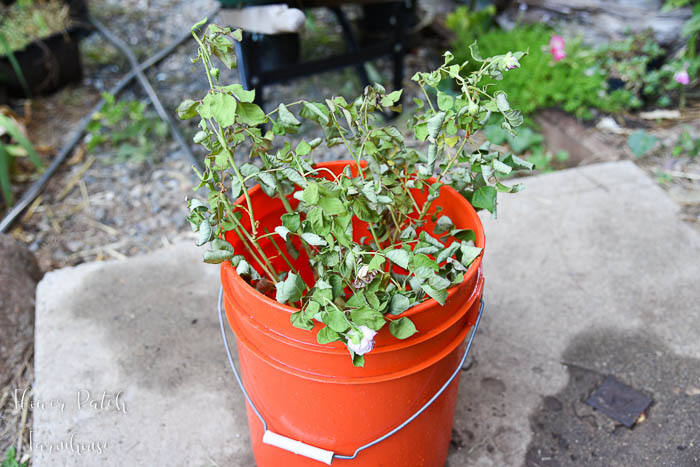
(13, 144)
(686, 145)
(127, 129)
(11, 459)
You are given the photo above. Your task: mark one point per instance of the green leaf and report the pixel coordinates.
(5, 182)
(443, 224)
(390, 99)
(399, 304)
(423, 261)
(315, 216)
(250, 114)
(399, 257)
(435, 124)
(331, 206)
(402, 328)
(219, 106)
(313, 239)
(502, 101)
(421, 131)
(204, 233)
(500, 167)
(367, 317)
(358, 360)
(469, 253)
(282, 231)
(292, 221)
(299, 320)
(445, 102)
(287, 118)
(290, 290)
(187, 109)
(303, 148)
(217, 256)
(438, 282)
(485, 198)
(294, 176)
(357, 300)
(518, 163)
(16, 134)
(447, 252)
(474, 50)
(440, 296)
(463, 235)
(310, 194)
(242, 94)
(376, 262)
(336, 320)
(641, 143)
(315, 112)
(326, 335)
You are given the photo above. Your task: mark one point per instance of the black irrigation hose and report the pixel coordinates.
(164, 115)
(77, 134)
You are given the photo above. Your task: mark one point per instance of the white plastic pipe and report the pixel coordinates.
(297, 447)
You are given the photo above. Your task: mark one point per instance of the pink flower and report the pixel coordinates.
(557, 47)
(682, 76)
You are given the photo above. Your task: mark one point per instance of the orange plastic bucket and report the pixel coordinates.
(311, 392)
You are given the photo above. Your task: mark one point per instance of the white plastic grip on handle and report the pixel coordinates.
(297, 447)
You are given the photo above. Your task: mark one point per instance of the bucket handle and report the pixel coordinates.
(313, 452)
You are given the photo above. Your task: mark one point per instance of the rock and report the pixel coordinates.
(19, 274)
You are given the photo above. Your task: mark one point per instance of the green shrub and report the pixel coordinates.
(575, 84)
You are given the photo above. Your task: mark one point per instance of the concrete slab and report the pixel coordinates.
(589, 267)
(146, 332)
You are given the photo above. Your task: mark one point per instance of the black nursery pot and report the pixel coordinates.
(47, 64)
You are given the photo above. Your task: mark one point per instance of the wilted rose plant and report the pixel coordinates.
(357, 282)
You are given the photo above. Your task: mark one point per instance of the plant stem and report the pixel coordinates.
(279, 250)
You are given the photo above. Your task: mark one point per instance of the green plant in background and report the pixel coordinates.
(26, 21)
(686, 145)
(13, 144)
(11, 460)
(469, 25)
(354, 287)
(127, 129)
(662, 82)
(573, 83)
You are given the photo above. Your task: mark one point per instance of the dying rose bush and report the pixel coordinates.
(355, 282)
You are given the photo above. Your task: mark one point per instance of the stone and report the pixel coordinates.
(19, 274)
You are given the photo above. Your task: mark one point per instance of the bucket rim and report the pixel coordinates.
(472, 270)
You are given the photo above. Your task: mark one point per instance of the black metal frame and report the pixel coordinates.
(252, 77)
